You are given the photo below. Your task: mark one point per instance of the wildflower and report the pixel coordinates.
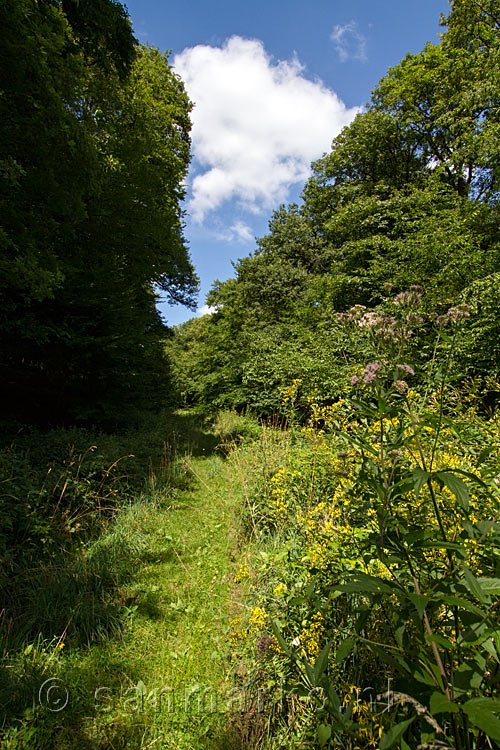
(357, 310)
(412, 297)
(458, 313)
(406, 369)
(414, 320)
(383, 326)
(241, 573)
(264, 643)
(355, 380)
(280, 589)
(370, 320)
(370, 372)
(344, 317)
(454, 315)
(401, 386)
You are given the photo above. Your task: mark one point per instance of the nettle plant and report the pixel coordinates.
(426, 485)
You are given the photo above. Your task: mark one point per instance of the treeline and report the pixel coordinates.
(94, 149)
(408, 195)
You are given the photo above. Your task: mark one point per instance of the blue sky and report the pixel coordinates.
(273, 83)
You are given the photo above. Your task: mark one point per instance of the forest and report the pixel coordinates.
(276, 525)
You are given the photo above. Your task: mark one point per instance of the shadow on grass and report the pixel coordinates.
(71, 589)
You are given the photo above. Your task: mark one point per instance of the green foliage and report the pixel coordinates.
(407, 195)
(381, 574)
(94, 150)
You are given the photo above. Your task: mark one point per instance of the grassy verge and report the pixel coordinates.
(163, 676)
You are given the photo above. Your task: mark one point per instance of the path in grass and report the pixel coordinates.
(157, 687)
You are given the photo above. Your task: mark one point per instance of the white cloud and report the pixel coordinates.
(349, 42)
(257, 124)
(205, 310)
(238, 232)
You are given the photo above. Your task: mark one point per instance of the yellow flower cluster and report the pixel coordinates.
(310, 638)
(258, 620)
(281, 482)
(326, 415)
(370, 730)
(281, 589)
(237, 632)
(290, 391)
(241, 573)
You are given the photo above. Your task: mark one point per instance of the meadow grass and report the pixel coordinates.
(158, 672)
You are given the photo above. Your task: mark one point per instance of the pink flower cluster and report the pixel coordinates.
(406, 369)
(369, 374)
(411, 298)
(454, 315)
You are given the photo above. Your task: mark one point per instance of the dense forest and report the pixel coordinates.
(94, 144)
(306, 479)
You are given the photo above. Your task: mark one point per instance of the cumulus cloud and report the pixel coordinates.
(237, 232)
(205, 310)
(349, 42)
(257, 124)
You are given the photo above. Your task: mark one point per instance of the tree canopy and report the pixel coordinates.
(407, 195)
(94, 151)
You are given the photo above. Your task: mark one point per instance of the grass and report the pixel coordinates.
(163, 677)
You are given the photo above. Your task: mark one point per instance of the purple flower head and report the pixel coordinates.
(406, 369)
(355, 380)
(344, 317)
(411, 298)
(401, 386)
(460, 312)
(454, 315)
(383, 326)
(370, 372)
(369, 320)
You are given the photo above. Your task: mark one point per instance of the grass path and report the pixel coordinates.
(156, 687)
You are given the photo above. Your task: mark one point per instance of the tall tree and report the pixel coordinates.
(94, 149)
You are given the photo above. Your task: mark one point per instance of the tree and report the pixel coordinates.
(94, 149)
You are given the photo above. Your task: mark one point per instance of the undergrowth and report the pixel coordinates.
(110, 543)
(373, 576)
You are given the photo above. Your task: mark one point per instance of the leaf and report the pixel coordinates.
(456, 486)
(489, 585)
(458, 601)
(473, 585)
(420, 477)
(321, 663)
(473, 477)
(310, 673)
(440, 704)
(344, 650)
(141, 688)
(282, 643)
(484, 454)
(442, 544)
(324, 732)
(480, 713)
(368, 584)
(395, 661)
(394, 734)
(420, 602)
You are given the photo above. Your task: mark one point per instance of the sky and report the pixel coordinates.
(272, 82)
